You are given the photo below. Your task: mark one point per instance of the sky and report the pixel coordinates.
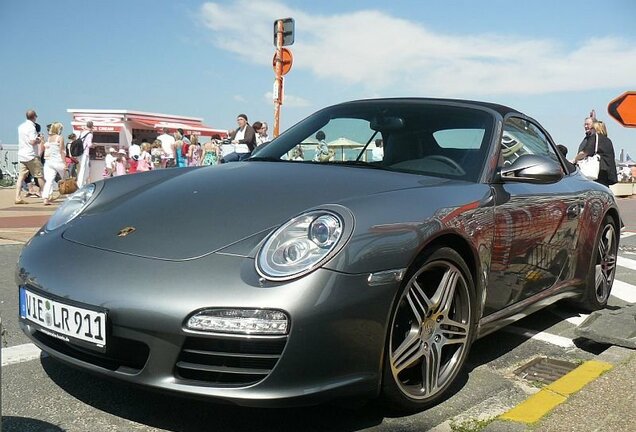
(552, 60)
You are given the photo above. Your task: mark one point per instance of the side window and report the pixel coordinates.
(523, 137)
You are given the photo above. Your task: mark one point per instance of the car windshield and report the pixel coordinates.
(420, 137)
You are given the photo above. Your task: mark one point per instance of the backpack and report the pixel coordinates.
(77, 146)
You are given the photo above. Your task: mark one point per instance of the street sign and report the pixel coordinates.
(287, 60)
(623, 109)
(288, 31)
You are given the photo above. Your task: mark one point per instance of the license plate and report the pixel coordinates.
(63, 321)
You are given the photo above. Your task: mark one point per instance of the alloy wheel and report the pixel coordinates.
(431, 330)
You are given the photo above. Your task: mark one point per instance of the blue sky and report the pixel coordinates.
(552, 60)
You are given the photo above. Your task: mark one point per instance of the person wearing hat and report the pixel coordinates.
(243, 139)
(121, 163)
(109, 162)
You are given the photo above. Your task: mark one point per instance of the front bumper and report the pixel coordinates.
(334, 348)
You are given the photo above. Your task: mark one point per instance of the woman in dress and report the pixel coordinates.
(180, 158)
(210, 153)
(194, 152)
(121, 164)
(55, 164)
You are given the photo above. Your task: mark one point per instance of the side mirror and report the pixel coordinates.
(531, 168)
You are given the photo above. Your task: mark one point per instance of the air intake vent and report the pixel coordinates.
(228, 361)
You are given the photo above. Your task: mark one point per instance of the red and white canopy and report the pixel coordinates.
(115, 120)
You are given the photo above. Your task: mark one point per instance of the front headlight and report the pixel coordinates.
(302, 244)
(71, 208)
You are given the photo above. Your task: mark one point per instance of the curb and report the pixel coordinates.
(538, 405)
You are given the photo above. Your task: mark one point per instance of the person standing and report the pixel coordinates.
(264, 134)
(87, 139)
(167, 145)
(258, 126)
(588, 127)
(28, 154)
(145, 162)
(599, 143)
(322, 149)
(54, 155)
(194, 151)
(120, 164)
(134, 150)
(377, 153)
(211, 153)
(186, 141)
(109, 162)
(71, 162)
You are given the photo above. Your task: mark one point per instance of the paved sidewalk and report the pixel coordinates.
(605, 404)
(18, 222)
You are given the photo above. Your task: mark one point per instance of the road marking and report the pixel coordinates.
(626, 262)
(541, 336)
(541, 403)
(624, 291)
(20, 354)
(627, 234)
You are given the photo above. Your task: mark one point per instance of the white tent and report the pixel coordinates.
(339, 145)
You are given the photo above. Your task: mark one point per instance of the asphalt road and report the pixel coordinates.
(45, 395)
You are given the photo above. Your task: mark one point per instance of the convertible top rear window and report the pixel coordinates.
(435, 139)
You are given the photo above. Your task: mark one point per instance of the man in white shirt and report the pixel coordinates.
(377, 153)
(87, 138)
(167, 144)
(28, 154)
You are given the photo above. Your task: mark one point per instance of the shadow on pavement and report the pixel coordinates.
(493, 348)
(173, 413)
(23, 424)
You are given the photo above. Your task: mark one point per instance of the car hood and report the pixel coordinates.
(203, 210)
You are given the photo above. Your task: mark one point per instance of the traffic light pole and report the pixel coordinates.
(278, 100)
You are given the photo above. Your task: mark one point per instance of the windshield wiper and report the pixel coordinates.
(357, 163)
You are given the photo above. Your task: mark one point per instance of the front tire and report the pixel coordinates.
(432, 328)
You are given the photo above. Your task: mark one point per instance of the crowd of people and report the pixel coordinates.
(44, 160)
(177, 149)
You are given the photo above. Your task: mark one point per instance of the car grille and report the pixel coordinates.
(228, 361)
(121, 353)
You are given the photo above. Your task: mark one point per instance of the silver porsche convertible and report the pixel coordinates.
(359, 254)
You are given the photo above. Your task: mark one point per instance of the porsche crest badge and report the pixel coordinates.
(126, 231)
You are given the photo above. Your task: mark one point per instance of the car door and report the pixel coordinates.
(535, 224)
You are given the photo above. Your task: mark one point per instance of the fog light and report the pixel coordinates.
(242, 321)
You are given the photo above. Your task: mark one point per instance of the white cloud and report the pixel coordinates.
(288, 100)
(385, 54)
(238, 98)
